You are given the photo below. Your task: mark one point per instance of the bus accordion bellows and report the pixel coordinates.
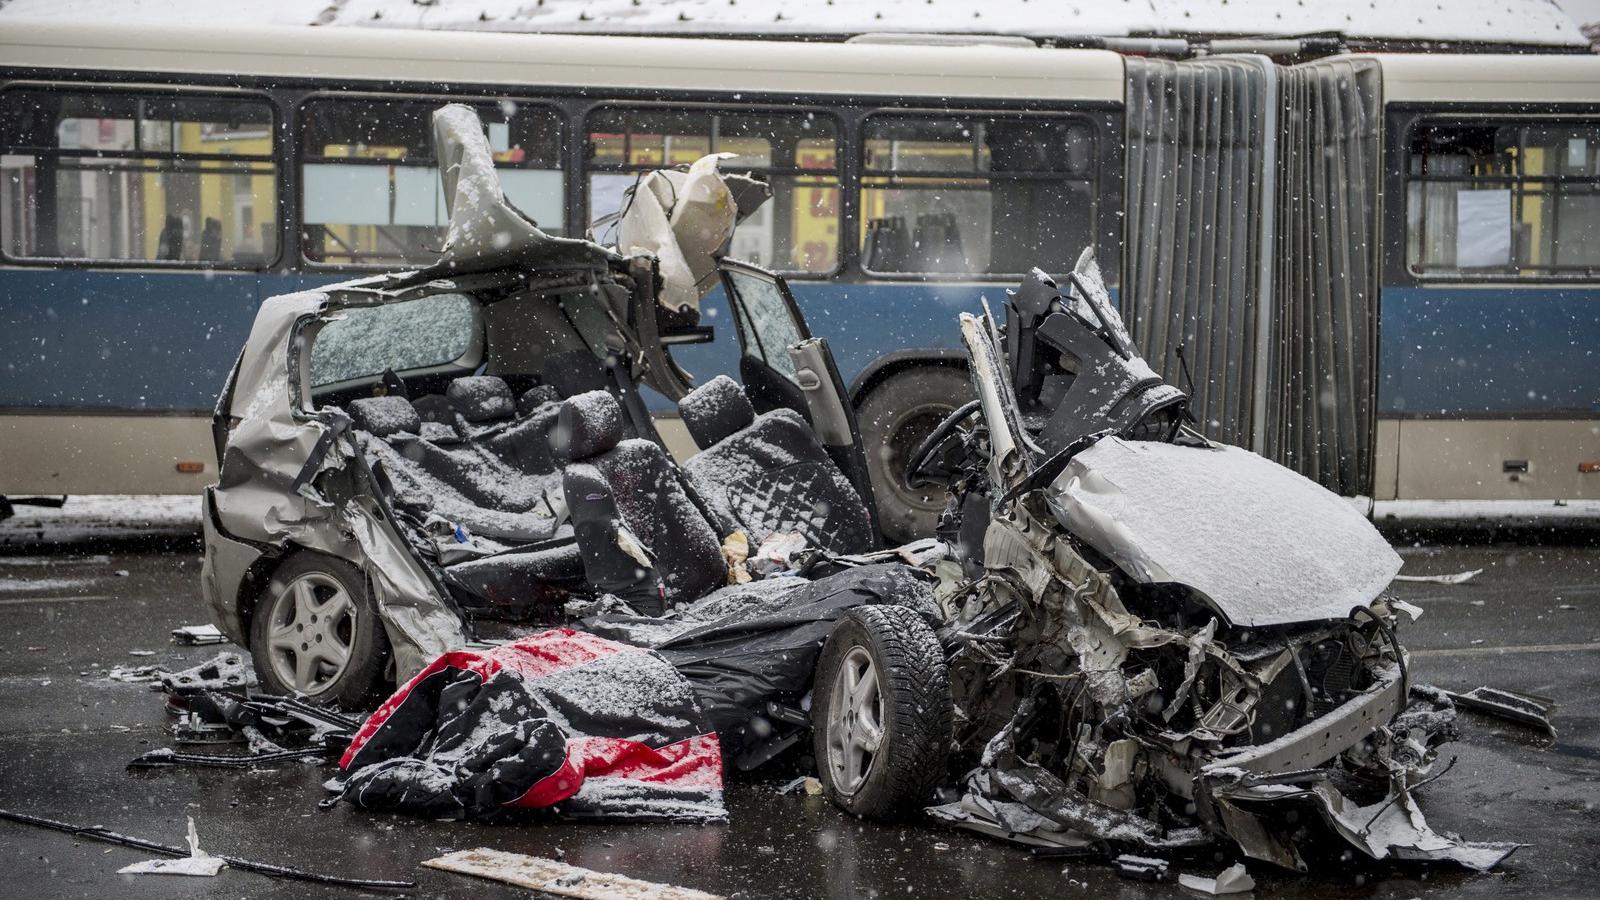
(1381, 268)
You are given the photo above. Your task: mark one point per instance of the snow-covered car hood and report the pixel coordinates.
(1265, 545)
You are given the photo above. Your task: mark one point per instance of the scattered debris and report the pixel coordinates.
(1452, 578)
(136, 674)
(561, 879)
(198, 862)
(1232, 880)
(141, 653)
(225, 670)
(198, 635)
(1525, 709)
(101, 833)
(806, 784)
(1142, 868)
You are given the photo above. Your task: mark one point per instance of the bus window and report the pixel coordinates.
(127, 177)
(416, 334)
(796, 153)
(975, 195)
(370, 189)
(1517, 200)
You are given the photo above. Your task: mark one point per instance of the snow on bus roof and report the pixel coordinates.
(1538, 22)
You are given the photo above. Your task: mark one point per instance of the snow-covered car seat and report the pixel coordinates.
(769, 473)
(640, 535)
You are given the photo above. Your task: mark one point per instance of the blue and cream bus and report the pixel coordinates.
(1424, 328)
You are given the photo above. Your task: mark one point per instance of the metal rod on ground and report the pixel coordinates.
(100, 833)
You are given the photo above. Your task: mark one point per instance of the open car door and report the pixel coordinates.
(782, 365)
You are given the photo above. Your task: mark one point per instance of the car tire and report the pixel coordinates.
(315, 632)
(881, 750)
(894, 418)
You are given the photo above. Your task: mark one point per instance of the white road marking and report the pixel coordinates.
(1493, 651)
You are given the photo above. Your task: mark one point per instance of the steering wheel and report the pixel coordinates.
(924, 451)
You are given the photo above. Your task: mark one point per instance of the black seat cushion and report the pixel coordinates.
(535, 398)
(633, 483)
(529, 584)
(434, 408)
(716, 410)
(481, 398)
(384, 416)
(774, 476)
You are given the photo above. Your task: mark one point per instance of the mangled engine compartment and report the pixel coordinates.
(1140, 658)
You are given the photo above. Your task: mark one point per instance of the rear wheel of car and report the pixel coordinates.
(315, 632)
(894, 419)
(881, 713)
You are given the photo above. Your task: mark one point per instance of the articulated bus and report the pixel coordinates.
(1425, 329)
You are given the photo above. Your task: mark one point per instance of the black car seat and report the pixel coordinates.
(639, 532)
(769, 473)
(578, 372)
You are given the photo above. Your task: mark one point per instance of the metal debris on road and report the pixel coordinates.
(559, 878)
(1452, 578)
(1524, 709)
(101, 833)
(198, 635)
(1232, 880)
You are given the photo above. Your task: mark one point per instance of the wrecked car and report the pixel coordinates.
(411, 459)
(1156, 641)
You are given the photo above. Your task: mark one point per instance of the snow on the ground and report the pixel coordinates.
(1497, 21)
(92, 516)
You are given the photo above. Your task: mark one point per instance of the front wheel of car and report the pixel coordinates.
(316, 632)
(881, 713)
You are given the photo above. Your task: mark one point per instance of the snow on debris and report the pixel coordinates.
(1493, 21)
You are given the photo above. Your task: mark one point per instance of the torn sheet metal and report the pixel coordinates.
(419, 625)
(1525, 709)
(684, 219)
(551, 877)
(1264, 545)
(485, 230)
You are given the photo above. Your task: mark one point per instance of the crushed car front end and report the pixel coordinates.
(1159, 641)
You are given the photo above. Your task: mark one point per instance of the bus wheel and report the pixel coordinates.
(316, 632)
(894, 418)
(881, 713)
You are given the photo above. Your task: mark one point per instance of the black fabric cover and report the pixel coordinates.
(481, 398)
(469, 486)
(775, 476)
(384, 416)
(589, 424)
(746, 644)
(715, 410)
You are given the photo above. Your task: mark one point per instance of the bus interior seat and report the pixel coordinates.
(888, 246)
(769, 473)
(937, 244)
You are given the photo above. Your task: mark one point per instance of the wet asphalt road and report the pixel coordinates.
(67, 614)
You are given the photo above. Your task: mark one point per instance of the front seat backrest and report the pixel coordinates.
(769, 473)
(609, 482)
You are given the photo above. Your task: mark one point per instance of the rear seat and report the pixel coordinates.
(462, 482)
(769, 473)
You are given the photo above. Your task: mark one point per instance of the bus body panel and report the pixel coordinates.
(70, 453)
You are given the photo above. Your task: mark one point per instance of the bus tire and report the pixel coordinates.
(894, 418)
(881, 713)
(315, 632)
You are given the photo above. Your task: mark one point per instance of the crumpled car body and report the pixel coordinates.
(1158, 642)
(299, 475)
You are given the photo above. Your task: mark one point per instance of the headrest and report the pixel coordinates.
(535, 397)
(588, 424)
(479, 398)
(383, 416)
(715, 410)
